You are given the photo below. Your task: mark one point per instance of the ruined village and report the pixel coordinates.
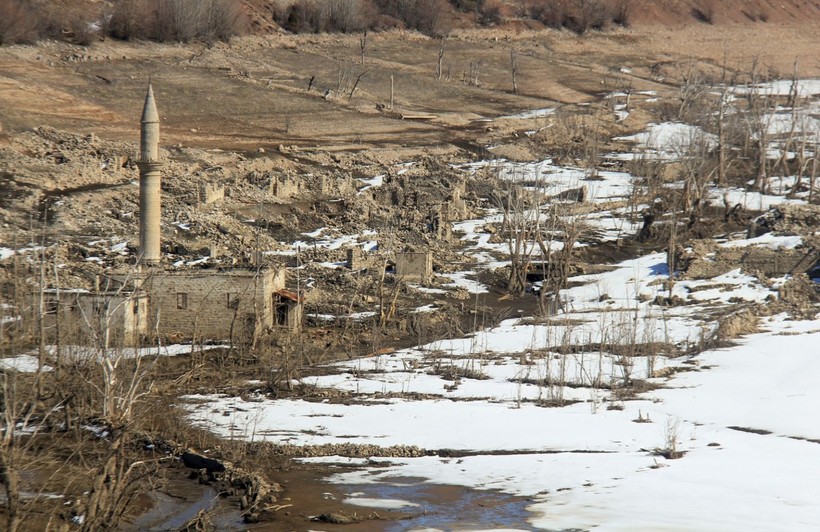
(476, 271)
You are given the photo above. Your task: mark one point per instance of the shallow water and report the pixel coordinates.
(171, 513)
(443, 507)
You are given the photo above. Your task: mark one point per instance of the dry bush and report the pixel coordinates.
(177, 20)
(301, 17)
(432, 17)
(351, 15)
(208, 20)
(19, 22)
(552, 14)
(130, 19)
(491, 13)
(74, 24)
(312, 16)
(621, 12)
(468, 6)
(579, 16)
(704, 11)
(589, 15)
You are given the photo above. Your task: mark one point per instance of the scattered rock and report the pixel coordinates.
(197, 461)
(335, 519)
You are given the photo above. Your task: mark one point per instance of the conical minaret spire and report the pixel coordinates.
(149, 165)
(149, 138)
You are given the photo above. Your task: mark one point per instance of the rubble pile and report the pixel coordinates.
(337, 220)
(706, 258)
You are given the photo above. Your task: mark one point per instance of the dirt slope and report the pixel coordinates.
(682, 12)
(643, 12)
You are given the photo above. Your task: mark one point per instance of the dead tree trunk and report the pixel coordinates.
(440, 58)
(358, 79)
(8, 452)
(514, 70)
(363, 44)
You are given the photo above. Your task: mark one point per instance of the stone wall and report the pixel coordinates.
(337, 185)
(751, 260)
(211, 193)
(283, 187)
(359, 259)
(81, 316)
(213, 304)
(416, 267)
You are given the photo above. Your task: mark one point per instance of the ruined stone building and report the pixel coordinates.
(219, 304)
(210, 303)
(216, 303)
(83, 317)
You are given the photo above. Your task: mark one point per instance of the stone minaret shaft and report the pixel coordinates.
(149, 165)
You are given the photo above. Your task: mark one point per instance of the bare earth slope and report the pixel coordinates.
(253, 92)
(678, 12)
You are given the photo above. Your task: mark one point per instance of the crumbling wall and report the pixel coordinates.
(788, 219)
(213, 304)
(417, 267)
(211, 193)
(335, 185)
(83, 315)
(359, 259)
(283, 187)
(706, 261)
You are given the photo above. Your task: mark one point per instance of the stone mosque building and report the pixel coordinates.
(235, 303)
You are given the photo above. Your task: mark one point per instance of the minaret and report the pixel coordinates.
(149, 166)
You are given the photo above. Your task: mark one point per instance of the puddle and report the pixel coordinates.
(450, 508)
(172, 513)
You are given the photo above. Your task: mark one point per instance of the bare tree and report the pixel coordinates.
(694, 152)
(356, 84)
(514, 70)
(556, 263)
(177, 20)
(475, 69)
(521, 219)
(758, 117)
(123, 384)
(363, 44)
(441, 51)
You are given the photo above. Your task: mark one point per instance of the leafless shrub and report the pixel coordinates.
(432, 17)
(130, 19)
(621, 11)
(177, 20)
(550, 13)
(670, 436)
(704, 11)
(77, 25)
(468, 6)
(312, 16)
(208, 20)
(491, 13)
(589, 15)
(19, 23)
(579, 16)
